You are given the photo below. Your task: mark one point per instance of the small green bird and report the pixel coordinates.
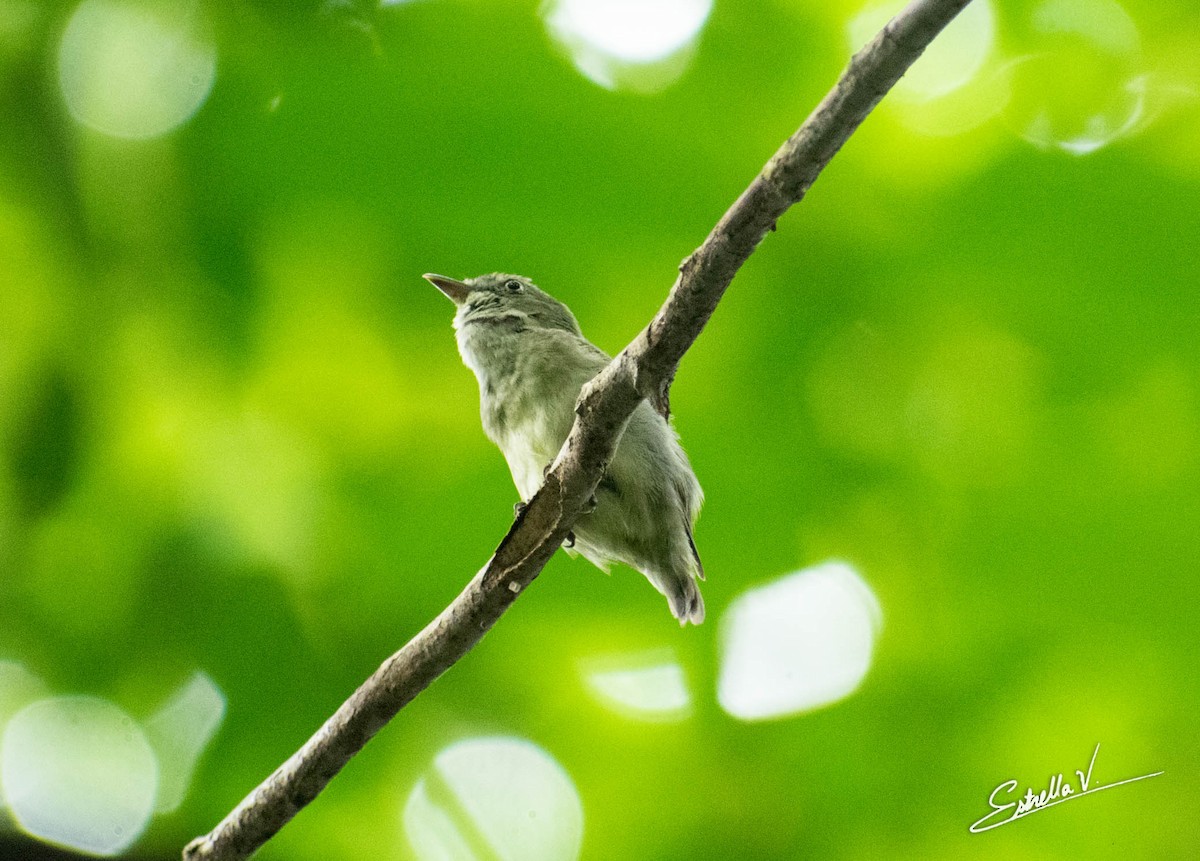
(531, 360)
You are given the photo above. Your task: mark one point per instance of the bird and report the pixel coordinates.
(531, 360)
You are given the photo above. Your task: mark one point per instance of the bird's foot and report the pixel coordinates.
(519, 509)
(590, 505)
(570, 540)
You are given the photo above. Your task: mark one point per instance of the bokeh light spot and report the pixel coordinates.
(179, 731)
(1082, 84)
(643, 45)
(135, 70)
(431, 829)
(78, 772)
(798, 643)
(498, 795)
(649, 686)
(956, 86)
(953, 59)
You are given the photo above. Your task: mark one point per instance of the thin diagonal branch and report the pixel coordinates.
(644, 369)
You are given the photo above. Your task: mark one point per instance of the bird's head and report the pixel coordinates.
(502, 298)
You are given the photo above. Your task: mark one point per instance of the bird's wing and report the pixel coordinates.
(691, 497)
(687, 527)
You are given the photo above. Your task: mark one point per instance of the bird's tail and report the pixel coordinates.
(683, 595)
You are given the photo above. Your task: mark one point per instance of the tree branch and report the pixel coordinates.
(644, 369)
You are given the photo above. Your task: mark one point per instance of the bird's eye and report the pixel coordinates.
(513, 285)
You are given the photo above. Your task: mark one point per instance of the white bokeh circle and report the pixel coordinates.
(135, 70)
(77, 771)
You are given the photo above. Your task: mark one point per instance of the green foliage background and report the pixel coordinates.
(237, 436)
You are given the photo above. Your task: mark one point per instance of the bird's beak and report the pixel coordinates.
(456, 291)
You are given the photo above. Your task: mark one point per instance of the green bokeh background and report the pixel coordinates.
(237, 436)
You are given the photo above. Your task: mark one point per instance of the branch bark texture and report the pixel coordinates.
(644, 369)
